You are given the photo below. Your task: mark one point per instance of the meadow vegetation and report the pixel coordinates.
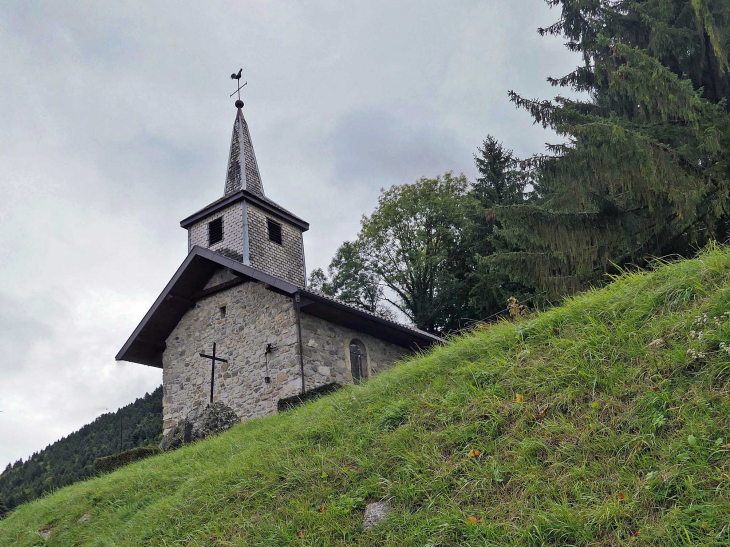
(604, 421)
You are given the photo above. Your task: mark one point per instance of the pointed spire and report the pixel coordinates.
(243, 171)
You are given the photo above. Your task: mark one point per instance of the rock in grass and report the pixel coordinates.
(375, 513)
(85, 518)
(202, 422)
(45, 531)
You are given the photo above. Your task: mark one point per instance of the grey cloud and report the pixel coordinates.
(375, 147)
(23, 324)
(116, 123)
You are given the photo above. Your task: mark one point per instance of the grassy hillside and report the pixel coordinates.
(621, 437)
(72, 458)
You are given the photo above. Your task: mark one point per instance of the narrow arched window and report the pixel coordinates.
(358, 360)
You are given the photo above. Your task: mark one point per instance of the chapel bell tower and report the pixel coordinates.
(244, 224)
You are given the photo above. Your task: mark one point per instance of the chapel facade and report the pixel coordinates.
(242, 287)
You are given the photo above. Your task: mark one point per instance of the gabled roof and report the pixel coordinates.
(147, 342)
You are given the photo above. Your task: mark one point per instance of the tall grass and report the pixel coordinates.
(621, 438)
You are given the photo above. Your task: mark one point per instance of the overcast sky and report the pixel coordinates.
(115, 124)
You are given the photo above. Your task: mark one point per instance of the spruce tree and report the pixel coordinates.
(3, 509)
(72, 458)
(643, 169)
(500, 183)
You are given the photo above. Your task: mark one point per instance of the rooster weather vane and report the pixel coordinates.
(237, 77)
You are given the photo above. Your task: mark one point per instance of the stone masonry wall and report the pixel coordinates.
(327, 352)
(284, 261)
(254, 316)
(232, 244)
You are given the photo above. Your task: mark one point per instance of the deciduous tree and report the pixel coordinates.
(350, 280)
(411, 252)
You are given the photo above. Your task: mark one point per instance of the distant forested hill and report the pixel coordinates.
(72, 458)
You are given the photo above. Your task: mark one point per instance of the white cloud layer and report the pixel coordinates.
(115, 121)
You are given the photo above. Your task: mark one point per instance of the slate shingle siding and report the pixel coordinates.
(233, 176)
(283, 261)
(232, 244)
(242, 161)
(253, 177)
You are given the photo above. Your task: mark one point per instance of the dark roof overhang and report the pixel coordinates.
(147, 342)
(334, 311)
(264, 203)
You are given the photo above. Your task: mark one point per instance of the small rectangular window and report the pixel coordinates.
(215, 231)
(274, 231)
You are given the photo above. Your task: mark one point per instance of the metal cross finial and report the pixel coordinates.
(213, 359)
(237, 77)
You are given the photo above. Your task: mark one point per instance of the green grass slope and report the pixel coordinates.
(621, 438)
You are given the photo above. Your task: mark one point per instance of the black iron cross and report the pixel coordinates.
(213, 359)
(237, 77)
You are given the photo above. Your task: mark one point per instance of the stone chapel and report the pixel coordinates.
(243, 287)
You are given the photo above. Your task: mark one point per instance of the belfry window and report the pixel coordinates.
(274, 231)
(215, 231)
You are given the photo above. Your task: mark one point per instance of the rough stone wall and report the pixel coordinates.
(283, 261)
(327, 352)
(232, 244)
(254, 316)
(220, 276)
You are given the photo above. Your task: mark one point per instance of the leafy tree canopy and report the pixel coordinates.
(350, 280)
(410, 253)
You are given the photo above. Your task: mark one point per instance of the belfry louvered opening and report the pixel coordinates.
(215, 231)
(274, 231)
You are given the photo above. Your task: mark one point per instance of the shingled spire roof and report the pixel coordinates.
(243, 180)
(243, 171)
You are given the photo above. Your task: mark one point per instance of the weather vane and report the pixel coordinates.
(237, 77)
